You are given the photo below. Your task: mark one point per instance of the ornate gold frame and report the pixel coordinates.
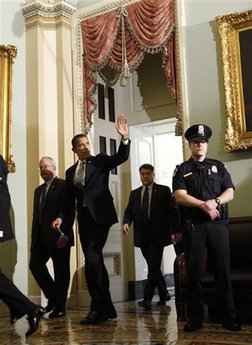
(7, 55)
(238, 135)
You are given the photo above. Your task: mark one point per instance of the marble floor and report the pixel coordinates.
(132, 327)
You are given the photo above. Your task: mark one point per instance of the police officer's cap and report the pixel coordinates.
(198, 133)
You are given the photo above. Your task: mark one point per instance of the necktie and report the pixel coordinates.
(80, 175)
(41, 202)
(145, 206)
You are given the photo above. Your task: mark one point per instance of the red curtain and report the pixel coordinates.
(121, 38)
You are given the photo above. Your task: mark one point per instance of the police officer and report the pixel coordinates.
(202, 188)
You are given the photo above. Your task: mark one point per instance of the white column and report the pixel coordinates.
(49, 92)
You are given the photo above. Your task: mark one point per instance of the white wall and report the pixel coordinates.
(205, 94)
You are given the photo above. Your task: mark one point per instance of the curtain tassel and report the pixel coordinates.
(125, 72)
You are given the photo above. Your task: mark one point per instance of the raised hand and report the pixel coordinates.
(122, 127)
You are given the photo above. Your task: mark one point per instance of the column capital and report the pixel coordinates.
(48, 14)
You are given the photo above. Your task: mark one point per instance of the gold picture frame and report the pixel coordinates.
(7, 55)
(235, 31)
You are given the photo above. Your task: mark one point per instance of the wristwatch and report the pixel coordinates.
(218, 201)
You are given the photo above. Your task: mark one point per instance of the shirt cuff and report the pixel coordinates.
(125, 141)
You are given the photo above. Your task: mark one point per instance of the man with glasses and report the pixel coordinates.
(47, 244)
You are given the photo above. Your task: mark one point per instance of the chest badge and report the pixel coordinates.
(214, 169)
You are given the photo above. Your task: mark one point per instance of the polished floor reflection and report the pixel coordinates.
(132, 327)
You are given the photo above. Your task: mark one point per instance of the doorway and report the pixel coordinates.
(155, 143)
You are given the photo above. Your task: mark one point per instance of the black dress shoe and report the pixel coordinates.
(232, 325)
(50, 306)
(57, 313)
(163, 301)
(111, 314)
(34, 319)
(192, 326)
(145, 304)
(94, 317)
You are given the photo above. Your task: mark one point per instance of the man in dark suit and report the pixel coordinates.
(87, 181)
(47, 244)
(156, 225)
(18, 304)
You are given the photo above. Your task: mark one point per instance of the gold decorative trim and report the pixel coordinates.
(7, 56)
(48, 23)
(237, 135)
(116, 263)
(179, 128)
(100, 8)
(116, 269)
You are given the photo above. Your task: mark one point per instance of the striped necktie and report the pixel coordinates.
(79, 179)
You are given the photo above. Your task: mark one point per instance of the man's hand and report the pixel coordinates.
(125, 229)
(209, 207)
(122, 127)
(175, 238)
(62, 241)
(214, 214)
(56, 224)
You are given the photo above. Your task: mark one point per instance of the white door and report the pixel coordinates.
(155, 143)
(104, 138)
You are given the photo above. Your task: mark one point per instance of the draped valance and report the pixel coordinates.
(121, 38)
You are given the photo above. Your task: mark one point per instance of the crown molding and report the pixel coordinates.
(48, 14)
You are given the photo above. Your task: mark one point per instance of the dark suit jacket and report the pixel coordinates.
(18, 303)
(96, 191)
(163, 221)
(51, 210)
(6, 232)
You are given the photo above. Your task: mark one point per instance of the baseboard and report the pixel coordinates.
(135, 288)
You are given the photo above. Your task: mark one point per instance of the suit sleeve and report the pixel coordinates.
(111, 162)
(174, 218)
(67, 211)
(3, 171)
(128, 213)
(35, 209)
(4, 190)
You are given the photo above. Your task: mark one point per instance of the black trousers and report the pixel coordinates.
(55, 289)
(17, 302)
(214, 236)
(93, 238)
(153, 253)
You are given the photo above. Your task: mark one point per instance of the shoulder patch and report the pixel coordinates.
(175, 171)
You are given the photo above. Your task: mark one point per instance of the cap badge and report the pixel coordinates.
(201, 130)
